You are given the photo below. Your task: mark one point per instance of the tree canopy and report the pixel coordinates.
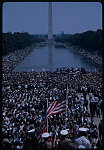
(12, 42)
(89, 40)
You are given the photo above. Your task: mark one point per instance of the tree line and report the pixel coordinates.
(18, 41)
(89, 40)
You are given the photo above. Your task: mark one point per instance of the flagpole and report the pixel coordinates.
(66, 103)
(47, 117)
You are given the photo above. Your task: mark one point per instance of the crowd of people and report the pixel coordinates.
(24, 105)
(88, 55)
(10, 61)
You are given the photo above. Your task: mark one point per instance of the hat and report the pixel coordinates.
(81, 147)
(45, 135)
(83, 129)
(64, 132)
(31, 131)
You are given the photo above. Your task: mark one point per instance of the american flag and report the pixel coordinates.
(56, 108)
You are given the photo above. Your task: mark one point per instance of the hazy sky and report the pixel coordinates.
(70, 17)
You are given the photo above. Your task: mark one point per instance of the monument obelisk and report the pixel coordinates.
(50, 35)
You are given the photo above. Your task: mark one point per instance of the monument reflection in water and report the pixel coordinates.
(49, 58)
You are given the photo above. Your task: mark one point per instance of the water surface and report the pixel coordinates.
(48, 58)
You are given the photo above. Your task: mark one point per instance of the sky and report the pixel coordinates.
(70, 17)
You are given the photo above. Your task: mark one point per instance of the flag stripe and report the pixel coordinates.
(55, 104)
(49, 108)
(53, 107)
(57, 107)
(57, 112)
(63, 102)
(60, 109)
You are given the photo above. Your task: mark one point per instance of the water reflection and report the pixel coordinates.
(50, 56)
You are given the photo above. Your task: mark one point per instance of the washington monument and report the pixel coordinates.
(50, 35)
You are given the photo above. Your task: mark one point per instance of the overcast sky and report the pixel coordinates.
(70, 17)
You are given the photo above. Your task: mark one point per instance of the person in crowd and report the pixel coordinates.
(46, 144)
(65, 143)
(24, 105)
(82, 140)
(100, 129)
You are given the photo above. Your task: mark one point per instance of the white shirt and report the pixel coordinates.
(83, 141)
